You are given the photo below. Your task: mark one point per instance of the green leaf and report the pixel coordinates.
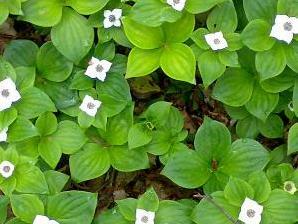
(21, 129)
(7, 117)
(272, 127)
(180, 30)
(207, 211)
(52, 65)
(30, 180)
(126, 160)
(198, 36)
(4, 201)
(237, 190)
(29, 203)
(261, 103)
(158, 113)
(261, 186)
(234, 87)
(213, 138)
(117, 128)
(271, 63)
(56, 181)
(46, 124)
(139, 135)
(295, 97)
(229, 58)
(192, 174)
(34, 102)
(111, 216)
(287, 7)
(292, 56)
(69, 136)
(142, 36)
(42, 12)
(149, 201)
(92, 162)
(81, 82)
(256, 35)
(4, 12)
(73, 36)
(292, 139)
(50, 151)
(195, 7)
(21, 53)
(14, 7)
(223, 18)
(72, 207)
(142, 62)
(127, 208)
(280, 208)
(25, 77)
(247, 127)
(260, 9)
(173, 212)
(178, 62)
(210, 66)
(236, 113)
(247, 156)
(87, 7)
(6, 70)
(105, 51)
(153, 13)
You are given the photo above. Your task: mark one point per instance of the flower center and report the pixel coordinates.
(5, 93)
(90, 106)
(288, 26)
(216, 41)
(288, 187)
(99, 68)
(112, 18)
(176, 1)
(144, 219)
(6, 169)
(250, 213)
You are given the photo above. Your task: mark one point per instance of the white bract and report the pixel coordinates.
(112, 18)
(289, 186)
(144, 217)
(284, 28)
(177, 4)
(41, 219)
(6, 169)
(216, 41)
(90, 105)
(251, 212)
(3, 135)
(8, 93)
(98, 68)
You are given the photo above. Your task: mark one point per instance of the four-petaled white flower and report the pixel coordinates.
(289, 186)
(90, 105)
(177, 4)
(144, 217)
(3, 135)
(251, 212)
(6, 169)
(216, 41)
(8, 93)
(41, 219)
(112, 18)
(98, 68)
(284, 28)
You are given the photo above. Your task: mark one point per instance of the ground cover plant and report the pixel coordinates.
(148, 111)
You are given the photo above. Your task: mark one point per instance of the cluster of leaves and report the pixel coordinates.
(254, 77)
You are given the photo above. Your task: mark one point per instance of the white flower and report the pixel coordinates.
(216, 41)
(284, 28)
(8, 94)
(112, 18)
(144, 217)
(177, 4)
(3, 135)
(40, 219)
(250, 212)
(6, 169)
(90, 105)
(98, 68)
(289, 186)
